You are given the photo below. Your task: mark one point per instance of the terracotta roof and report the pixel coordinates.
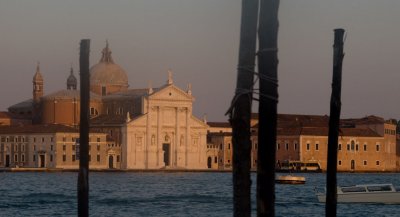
(108, 119)
(69, 94)
(130, 93)
(219, 124)
(45, 128)
(324, 131)
(365, 120)
(27, 104)
(5, 115)
(220, 134)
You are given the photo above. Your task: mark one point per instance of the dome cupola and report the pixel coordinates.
(106, 77)
(72, 82)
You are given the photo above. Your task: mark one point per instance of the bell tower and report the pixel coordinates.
(37, 84)
(37, 94)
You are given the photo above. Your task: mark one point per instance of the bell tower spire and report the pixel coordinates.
(72, 82)
(37, 84)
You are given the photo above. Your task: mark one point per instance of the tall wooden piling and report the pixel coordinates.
(83, 176)
(334, 118)
(268, 73)
(240, 111)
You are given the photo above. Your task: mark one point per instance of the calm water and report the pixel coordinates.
(168, 194)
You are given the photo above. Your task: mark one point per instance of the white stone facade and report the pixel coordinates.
(167, 135)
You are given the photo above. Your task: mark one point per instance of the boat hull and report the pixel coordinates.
(290, 180)
(369, 197)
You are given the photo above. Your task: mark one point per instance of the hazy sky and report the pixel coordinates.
(199, 41)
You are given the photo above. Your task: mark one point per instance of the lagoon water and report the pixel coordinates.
(169, 194)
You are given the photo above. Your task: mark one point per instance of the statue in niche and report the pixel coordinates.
(181, 140)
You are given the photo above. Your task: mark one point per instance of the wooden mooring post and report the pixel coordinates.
(268, 74)
(240, 111)
(83, 175)
(334, 118)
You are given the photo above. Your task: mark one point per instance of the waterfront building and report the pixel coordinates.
(152, 128)
(53, 146)
(365, 144)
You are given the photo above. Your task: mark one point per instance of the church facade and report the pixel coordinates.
(147, 128)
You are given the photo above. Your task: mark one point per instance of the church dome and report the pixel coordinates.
(106, 72)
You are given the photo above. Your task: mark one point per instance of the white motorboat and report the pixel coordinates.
(371, 193)
(289, 179)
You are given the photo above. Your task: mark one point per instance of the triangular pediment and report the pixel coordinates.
(171, 92)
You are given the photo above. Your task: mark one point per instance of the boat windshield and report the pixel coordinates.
(353, 189)
(379, 188)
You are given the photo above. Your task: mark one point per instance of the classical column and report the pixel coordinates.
(147, 140)
(158, 134)
(187, 136)
(177, 140)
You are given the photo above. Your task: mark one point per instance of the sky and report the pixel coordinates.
(199, 41)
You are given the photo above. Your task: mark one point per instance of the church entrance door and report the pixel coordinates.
(110, 162)
(7, 160)
(166, 149)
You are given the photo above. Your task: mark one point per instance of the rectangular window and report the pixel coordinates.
(316, 147)
(287, 146)
(22, 158)
(348, 147)
(340, 162)
(295, 146)
(365, 163)
(117, 158)
(42, 139)
(278, 146)
(308, 146)
(64, 157)
(73, 147)
(98, 139)
(365, 147)
(377, 147)
(377, 162)
(98, 158)
(34, 139)
(51, 158)
(64, 147)
(15, 147)
(51, 147)
(16, 158)
(356, 147)
(73, 158)
(340, 147)
(229, 145)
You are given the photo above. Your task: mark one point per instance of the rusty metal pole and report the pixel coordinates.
(240, 111)
(334, 118)
(268, 73)
(83, 175)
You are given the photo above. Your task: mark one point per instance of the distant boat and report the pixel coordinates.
(371, 193)
(289, 179)
(298, 166)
